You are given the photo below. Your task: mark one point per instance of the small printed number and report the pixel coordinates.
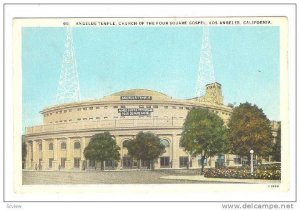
(273, 186)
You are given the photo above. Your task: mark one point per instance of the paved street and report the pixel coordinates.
(108, 177)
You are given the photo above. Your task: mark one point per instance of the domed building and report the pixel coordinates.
(58, 143)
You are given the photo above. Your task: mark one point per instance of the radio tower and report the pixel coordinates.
(206, 73)
(68, 86)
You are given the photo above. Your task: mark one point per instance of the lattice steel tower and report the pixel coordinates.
(206, 74)
(68, 86)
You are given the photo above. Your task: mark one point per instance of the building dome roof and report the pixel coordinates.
(140, 92)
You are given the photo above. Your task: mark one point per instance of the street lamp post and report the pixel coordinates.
(251, 154)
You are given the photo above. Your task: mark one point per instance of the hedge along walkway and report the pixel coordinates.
(202, 178)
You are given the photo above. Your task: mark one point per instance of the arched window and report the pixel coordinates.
(125, 143)
(77, 145)
(40, 147)
(165, 142)
(51, 146)
(63, 145)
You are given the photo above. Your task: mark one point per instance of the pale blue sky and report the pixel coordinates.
(246, 63)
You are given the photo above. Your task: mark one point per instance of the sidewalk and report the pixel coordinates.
(204, 179)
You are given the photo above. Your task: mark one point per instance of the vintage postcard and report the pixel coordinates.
(151, 104)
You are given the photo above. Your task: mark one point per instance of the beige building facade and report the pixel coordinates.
(58, 143)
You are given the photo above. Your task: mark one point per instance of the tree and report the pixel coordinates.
(276, 153)
(102, 147)
(204, 134)
(145, 146)
(250, 129)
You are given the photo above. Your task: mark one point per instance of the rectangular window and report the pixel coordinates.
(92, 163)
(78, 118)
(65, 120)
(174, 107)
(97, 118)
(84, 108)
(50, 162)
(40, 147)
(237, 160)
(70, 110)
(91, 108)
(141, 106)
(109, 164)
(65, 111)
(164, 162)
(70, 120)
(145, 163)
(79, 109)
(148, 106)
(123, 106)
(115, 107)
(166, 107)
(220, 161)
(183, 161)
(63, 162)
(60, 112)
(180, 107)
(76, 162)
(40, 164)
(105, 107)
(90, 118)
(105, 117)
(84, 118)
(155, 106)
(97, 107)
(199, 161)
(127, 162)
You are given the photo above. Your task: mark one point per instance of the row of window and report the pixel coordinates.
(105, 107)
(165, 162)
(63, 146)
(224, 113)
(128, 162)
(115, 117)
(61, 165)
